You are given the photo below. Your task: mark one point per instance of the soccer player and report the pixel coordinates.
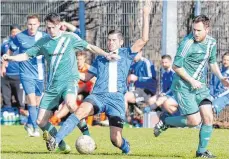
(189, 84)
(59, 50)
(84, 89)
(108, 93)
(31, 71)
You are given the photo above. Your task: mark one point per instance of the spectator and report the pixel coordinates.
(215, 82)
(143, 76)
(10, 80)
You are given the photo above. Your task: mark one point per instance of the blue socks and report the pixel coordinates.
(68, 126)
(32, 119)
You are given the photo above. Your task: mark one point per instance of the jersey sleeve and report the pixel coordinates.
(78, 43)
(212, 58)
(182, 51)
(35, 50)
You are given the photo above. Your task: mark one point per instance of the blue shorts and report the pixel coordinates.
(220, 103)
(32, 86)
(111, 103)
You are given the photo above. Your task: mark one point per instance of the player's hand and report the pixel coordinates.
(132, 78)
(196, 84)
(112, 57)
(162, 94)
(5, 57)
(3, 71)
(225, 81)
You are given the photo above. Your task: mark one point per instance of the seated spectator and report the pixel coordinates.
(143, 77)
(84, 89)
(166, 82)
(215, 82)
(10, 81)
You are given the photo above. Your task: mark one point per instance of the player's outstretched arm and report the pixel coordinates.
(18, 58)
(96, 50)
(140, 43)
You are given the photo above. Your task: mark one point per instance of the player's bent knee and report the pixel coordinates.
(116, 121)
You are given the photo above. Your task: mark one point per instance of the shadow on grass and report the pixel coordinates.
(94, 154)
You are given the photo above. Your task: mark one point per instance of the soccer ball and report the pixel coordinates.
(85, 144)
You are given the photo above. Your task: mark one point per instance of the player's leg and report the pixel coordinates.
(91, 105)
(129, 98)
(206, 128)
(29, 86)
(170, 105)
(62, 112)
(116, 126)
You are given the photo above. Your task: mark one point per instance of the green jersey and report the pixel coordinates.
(194, 58)
(60, 55)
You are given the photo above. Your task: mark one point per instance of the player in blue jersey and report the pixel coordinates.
(31, 71)
(10, 81)
(109, 89)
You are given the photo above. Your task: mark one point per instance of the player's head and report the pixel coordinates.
(33, 23)
(53, 24)
(115, 40)
(226, 60)
(81, 59)
(200, 26)
(166, 62)
(14, 30)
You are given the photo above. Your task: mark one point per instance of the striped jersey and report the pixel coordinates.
(32, 68)
(194, 58)
(59, 53)
(112, 75)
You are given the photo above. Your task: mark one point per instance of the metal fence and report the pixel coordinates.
(125, 15)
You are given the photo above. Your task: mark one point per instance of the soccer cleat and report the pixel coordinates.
(65, 150)
(29, 130)
(159, 128)
(36, 133)
(50, 141)
(127, 151)
(206, 154)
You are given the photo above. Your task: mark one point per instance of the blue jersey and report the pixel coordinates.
(32, 68)
(166, 82)
(146, 73)
(112, 75)
(215, 83)
(221, 89)
(13, 67)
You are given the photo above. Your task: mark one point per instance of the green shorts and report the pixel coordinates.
(189, 100)
(56, 94)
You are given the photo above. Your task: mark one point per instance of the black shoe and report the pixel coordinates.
(206, 154)
(159, 128)
(50, 141)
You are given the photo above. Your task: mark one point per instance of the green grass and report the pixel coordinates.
(174, 143)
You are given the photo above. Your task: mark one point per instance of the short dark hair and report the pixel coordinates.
(226, 54)
(202, 18)
(33, 16)
(116, 32)
(15, 26)
(53, 18)
(166, 57)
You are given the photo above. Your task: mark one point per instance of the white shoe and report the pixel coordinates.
(104, 123)
(29, 130)
(36, 133)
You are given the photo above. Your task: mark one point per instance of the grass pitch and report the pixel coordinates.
(174, 143)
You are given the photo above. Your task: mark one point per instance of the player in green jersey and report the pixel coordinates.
(195, 52)
(59, 50)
